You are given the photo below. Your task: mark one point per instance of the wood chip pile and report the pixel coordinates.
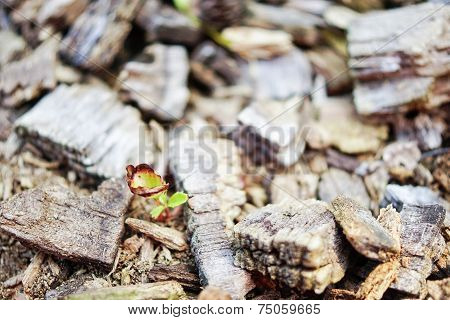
(311, 138)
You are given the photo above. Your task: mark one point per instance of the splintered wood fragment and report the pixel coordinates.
(184, 274)
(165, 24)
(157, 81)
(209, 172)
(390, 220)
(378, 281)
(33, 270)
(76, 284)
(335, 182)
(439, 289)
(295, 243)
(363, 231)
(57, 221)
(165, 290)
(422, 243)
(25, 79)
(98, 34)
(171, 238)
(95, 142)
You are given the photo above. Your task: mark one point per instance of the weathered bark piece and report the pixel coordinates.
(425, 129)
(157, 81)
(339, 126)
(57, 221)
(420, 51)
(213, 66)
(164, 23)
(268, 139)
(76, 284)
(390, 220)
(171, 238)
(422, 243)
(398, 73)
(40, 19)
(166, 290)
(378, 281)
(332, 67)
(284, 187)
(363, 231)
(26, 79)
(439, 289)
(293, 70)
(335, 182)
(401, 159)
(295, 243)
(98, 142)
(184, 274)
(441, 267)
(400, 94)
(257, 43)
(98, 34)
(303, 26)
(398, 196)
(12, 47)
(209, 172)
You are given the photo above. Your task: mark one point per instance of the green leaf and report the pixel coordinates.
(163, 199)
(177, 199)
(156, 211)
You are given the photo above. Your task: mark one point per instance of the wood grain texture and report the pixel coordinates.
(363, 231)
(171, 238)
(87, 128)
(422, 243)
(201, 168)
(98, 34)
(184, 274)
(157, 81)
(398, 73)
(57, 221)
(25, 79)
(296, 243)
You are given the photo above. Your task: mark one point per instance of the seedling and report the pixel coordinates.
(145, 182)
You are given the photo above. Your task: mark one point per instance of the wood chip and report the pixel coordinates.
(96, 142)
(165, 24)
(184, 274)
(295, 243)
(378, 281)
(335, 182)
(439, 289)
(422, 243)
(363, 231)
(53, 219)
(25, 79)
(98, 34)
(32, 272)
(203, 175)
(166, 290)
(157, 81)
(13, 47)
(171, 238)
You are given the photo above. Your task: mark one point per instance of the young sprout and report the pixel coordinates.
(145, 182)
